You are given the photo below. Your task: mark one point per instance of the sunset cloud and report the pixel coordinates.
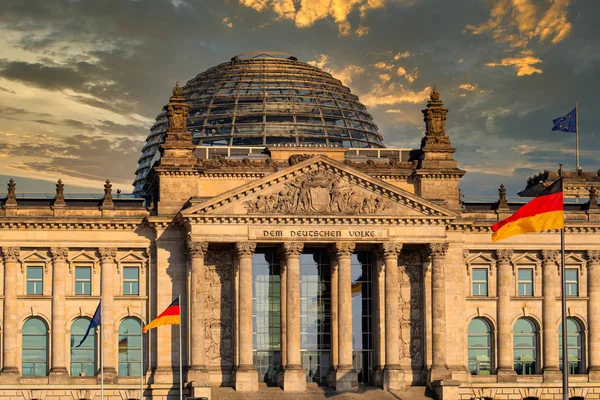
(469, 87)
(524, 64)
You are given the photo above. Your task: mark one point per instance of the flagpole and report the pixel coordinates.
(577, 134)
(102, 349)
(180, 356)
(142, 346)
(563, 286)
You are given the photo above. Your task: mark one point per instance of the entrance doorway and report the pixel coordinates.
(362, 316)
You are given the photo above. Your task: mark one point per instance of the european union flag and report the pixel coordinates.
(93, 323)
(568, 123)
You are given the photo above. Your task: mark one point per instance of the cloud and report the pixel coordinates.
(410, 76)
(394, 93)
(394, 111)
(399, 56)
(227, 22)
(524, 64)
(362, 30)
(383, 65)
(346, 74)
(7, 90)
(469, 87)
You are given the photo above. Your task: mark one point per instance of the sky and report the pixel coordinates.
(81, 81)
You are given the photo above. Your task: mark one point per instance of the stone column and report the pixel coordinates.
(393, 376)
(379, 315)
(283, 313)
(439, 369)
(246, 377)
(550, 314)
(506, 372)
(10, 371)
(333, 261)
(197, 372)
(107, 262)
(345, 375)
(294, 379)
(594, 314)
(60, 349)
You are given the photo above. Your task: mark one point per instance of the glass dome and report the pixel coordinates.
(261, 99)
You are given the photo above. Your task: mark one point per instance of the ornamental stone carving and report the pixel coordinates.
(59, 254)
(107, 254)
(391, 249)
(504, 256)
(196, 249)
(317, 192)
(11, 254)
(344, 249)
(411, 337)
(593, 256)
(292, 249)
(438, 250)
(245, 249)
(550, 256)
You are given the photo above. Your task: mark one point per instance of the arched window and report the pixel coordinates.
(525, 347)
(574, 346)
(35, 348)
(83, 358)
(480, 347)
(130, 347)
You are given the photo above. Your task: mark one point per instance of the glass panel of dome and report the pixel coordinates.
(224, 100)
(277, 92)
(359, 144)
(249, 108)
(250, 141)
(331, 112)
(327, 102)
(302, 92)
(280, 139)
(354, 124)
(338, 132)
(280, 119)
(247, 119)
(312, 140)
(218, 121)
(221, 110)
(358, 135)
(334, 122)
(278, 99)
(279, 107)
(218, 142)
(248, 128)
(218, 130)
(302, 119)
(250, 92)
(281, 129)
(311, 130)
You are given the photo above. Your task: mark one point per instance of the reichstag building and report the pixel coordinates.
(306, 253)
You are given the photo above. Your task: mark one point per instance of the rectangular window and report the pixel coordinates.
(131, 281)
(525, 283)
(480, 282)
(572, 281)
(83, 280)
(35, 280)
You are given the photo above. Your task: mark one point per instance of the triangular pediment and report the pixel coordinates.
(319, 187)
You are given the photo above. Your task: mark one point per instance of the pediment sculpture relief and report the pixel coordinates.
(316, 193)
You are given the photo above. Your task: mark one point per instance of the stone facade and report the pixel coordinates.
(197, 233)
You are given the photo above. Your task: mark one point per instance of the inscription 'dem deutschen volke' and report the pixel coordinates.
(317, 234)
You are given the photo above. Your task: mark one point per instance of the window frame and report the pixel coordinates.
(536, 346)
(490, 335)
(125, 281)
(474, 282)
(137, 347)
(580, 348)
(24, 348)
(568, 284)
(41, 280)
(72, 348)
(531, 283)
(89, 281)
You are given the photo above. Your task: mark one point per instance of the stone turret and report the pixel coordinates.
(178, 147)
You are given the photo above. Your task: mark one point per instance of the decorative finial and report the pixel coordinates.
(60, 197)
(11, 199)
(107, 201)
(502, 202)
(593, 203)
(434, 95)
(177, 90)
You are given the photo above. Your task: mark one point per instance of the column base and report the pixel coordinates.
(594, 374)
(552, 374)
(198, 375)
(58, 375)
(378, 377)
(110, 375)
(393, 379)
(294, 379)
(345, 378)
(200, 390)
(446, 389)
(439, 373)
(10, 375)
(246, 379)
(506, 375)
(330, 377)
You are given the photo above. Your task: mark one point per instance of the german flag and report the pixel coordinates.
(543, 213)
(171, 316)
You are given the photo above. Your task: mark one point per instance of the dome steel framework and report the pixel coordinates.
(262, 99)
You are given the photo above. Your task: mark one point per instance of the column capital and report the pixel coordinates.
(550, 256)
(11, 253)
(245, 249)
(292, 249)
(107, 254)
(391, 249)
(504, 256)
(438, 250)
(593, 256)
(59, 254)
(196, 249)
(344, 249)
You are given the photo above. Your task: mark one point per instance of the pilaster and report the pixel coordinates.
(108, 267)
(59, 373)
(550, 262)
(439, 368)
(594, 314)
(506, 372)
(334, 317)
(10, 371)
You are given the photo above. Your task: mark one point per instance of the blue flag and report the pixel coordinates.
(93, 323)
(568, 123)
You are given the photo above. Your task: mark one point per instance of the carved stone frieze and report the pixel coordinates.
(550, 256)
(11, 254)
(196, 249)
(411, 338)
(107, 254)
(59, 254)
(593, 256)
(391, 249)
(218, 308)
(245, 249)
(319, 191)
(438, 250)
(242, 164)
(504, 256)
(344, 249)
(292, 249)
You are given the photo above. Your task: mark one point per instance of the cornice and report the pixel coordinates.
(478, 227)
(318, 220)
(36, 223)
(212, 175)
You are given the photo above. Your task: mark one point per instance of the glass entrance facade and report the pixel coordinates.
(315, 314)
(362, 316)
(266, 315)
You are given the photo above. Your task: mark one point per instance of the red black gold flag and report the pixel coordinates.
(171, 316)
(543, 213)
